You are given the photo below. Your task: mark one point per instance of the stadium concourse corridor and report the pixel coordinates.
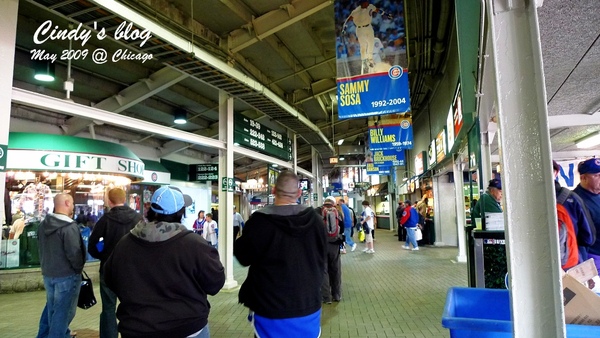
(391, 293)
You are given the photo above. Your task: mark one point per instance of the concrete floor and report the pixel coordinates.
(392, 293)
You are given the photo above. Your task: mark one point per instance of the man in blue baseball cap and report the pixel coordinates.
(589, 191)
(145, 262)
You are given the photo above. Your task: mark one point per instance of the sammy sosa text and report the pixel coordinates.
(125, 31)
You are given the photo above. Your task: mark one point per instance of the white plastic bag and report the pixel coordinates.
(418, 234)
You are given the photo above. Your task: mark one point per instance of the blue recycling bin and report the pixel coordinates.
(485, 313)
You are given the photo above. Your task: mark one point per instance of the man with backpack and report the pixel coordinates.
(332, 282)
(575, 233)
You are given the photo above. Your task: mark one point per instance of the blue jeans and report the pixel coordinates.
(205, 333)
(348, 234)
(108, 316)
(61, 303)
(410, 237)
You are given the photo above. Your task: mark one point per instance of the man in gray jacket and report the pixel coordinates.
(62, 256)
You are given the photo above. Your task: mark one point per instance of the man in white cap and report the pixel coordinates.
(144, 264)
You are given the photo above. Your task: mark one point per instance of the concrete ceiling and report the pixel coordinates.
(277, 57)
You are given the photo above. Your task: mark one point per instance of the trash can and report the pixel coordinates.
(485, 313)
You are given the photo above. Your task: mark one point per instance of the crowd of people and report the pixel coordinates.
(140, 259)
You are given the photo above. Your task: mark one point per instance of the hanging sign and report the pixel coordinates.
(440, 146)
(431, 154)
(390, 132)
(253, 135)
(372, 78)
(388, 157)
(375, 170)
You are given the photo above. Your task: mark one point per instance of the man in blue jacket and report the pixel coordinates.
(409, 220)
(589, 191)
(348, 223)
(578, 213)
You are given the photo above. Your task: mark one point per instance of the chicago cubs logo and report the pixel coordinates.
(405, 124)
(395, 72)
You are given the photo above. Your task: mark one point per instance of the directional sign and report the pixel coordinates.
(227, 184)
(3, 149)
(205, 172)
(251, 134)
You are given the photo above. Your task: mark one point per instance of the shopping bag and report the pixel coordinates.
(418, 234)
(86, 294)
(361, 236)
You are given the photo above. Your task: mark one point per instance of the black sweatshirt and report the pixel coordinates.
(285, 247)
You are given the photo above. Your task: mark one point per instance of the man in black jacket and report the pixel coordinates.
(109, 229)
(285, 246)
(163, 272)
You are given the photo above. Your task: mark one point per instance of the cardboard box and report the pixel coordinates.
(582, 305)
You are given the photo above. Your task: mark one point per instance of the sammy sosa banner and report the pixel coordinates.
(371, 59)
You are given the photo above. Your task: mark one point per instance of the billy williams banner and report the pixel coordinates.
(390, 132)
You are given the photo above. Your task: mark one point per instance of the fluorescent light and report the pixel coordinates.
(340, 142)
(589, 141)
(342, 158)
(180, 116)
(43, 71)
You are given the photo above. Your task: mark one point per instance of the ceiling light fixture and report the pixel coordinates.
(342, 158)
(340, 142)
(180, 116)
(44, 71)
(589, 141)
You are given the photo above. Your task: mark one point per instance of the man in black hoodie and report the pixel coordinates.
(285, 246)
(163, 272)
(109, 229)
(62, 256)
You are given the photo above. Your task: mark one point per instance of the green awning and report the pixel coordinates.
(61, 153)
(155, 173)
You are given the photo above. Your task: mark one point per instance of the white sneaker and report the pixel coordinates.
(365, 249)
(406, 247)
(353, 247)
(415, 249)
(370, 251)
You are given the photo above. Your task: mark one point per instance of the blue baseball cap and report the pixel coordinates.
(169, 200)
(495, 183)
(589, 166)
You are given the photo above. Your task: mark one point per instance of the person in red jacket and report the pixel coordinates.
(409, 220)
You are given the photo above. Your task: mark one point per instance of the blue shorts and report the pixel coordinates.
(298, 327)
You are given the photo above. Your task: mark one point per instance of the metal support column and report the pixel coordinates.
(8, 36)
(295, 154)
(530, 212)
(461, 220)
(486, 160)
(226, 197)
(317, 183)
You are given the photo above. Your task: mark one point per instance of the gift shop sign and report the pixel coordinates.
(20, 159)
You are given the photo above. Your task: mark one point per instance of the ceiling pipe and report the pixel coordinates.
(36, 100)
